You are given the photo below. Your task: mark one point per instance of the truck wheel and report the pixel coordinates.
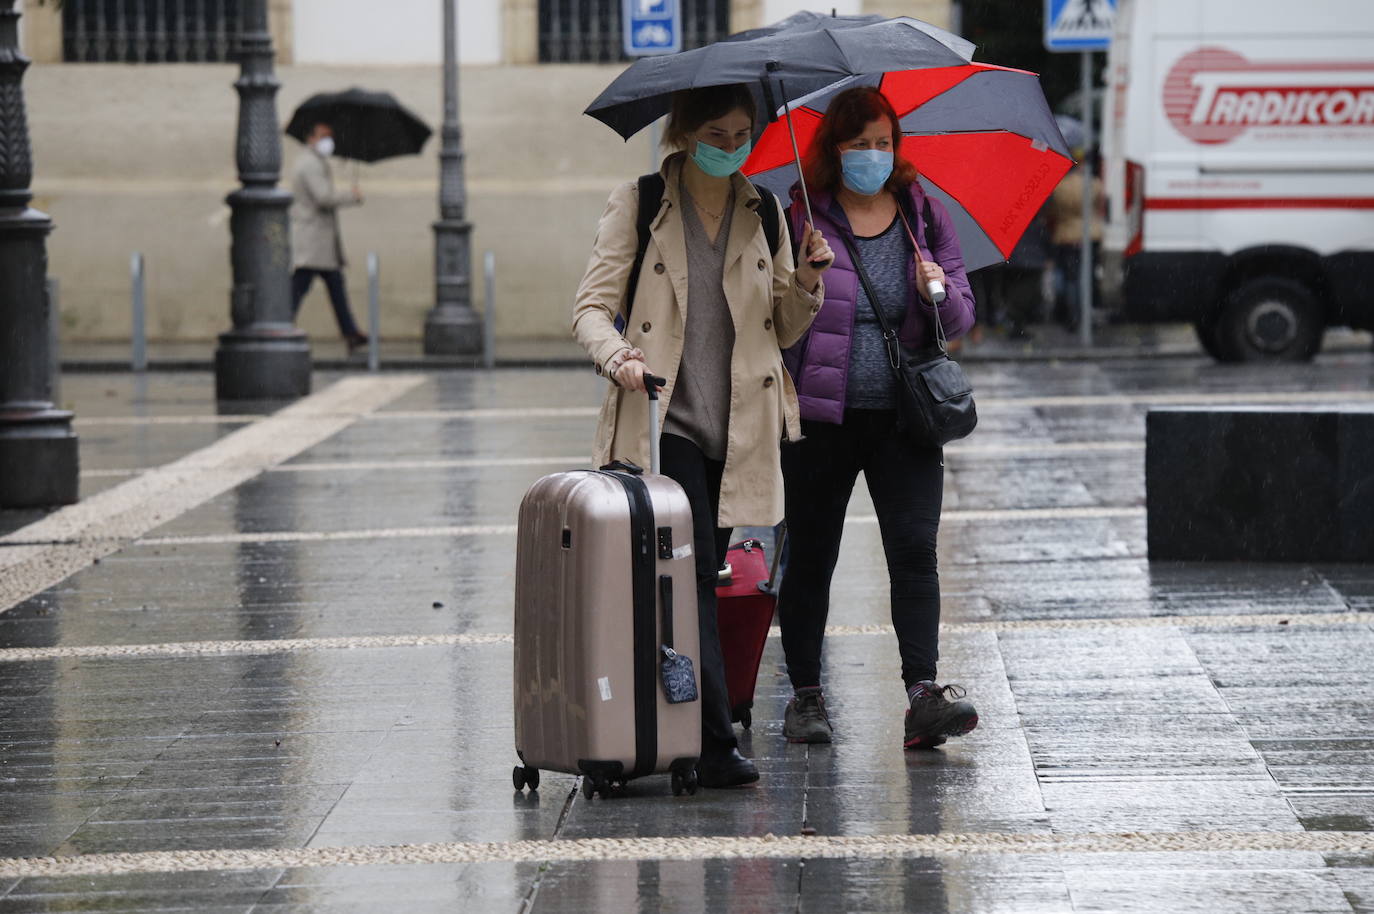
(1206, 329)
(1270, 319)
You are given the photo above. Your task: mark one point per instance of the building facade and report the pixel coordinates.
(133, 114)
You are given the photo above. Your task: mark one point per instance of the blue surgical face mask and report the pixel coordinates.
(865, 171)
(717, 162)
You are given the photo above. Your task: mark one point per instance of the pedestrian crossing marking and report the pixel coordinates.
(471, 639)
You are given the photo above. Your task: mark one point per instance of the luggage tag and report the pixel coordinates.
(679, 675)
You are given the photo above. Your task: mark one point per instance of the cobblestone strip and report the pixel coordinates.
(766, 847)
(78, 535)
(359, 642)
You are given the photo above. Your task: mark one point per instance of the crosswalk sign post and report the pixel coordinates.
(651, 27)
(1083, 26)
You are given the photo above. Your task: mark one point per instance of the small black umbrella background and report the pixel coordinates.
(368, 126)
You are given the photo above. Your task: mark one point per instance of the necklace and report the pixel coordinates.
(716, 216)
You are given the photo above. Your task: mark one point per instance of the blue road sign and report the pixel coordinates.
(652, 27)
(1079, 25)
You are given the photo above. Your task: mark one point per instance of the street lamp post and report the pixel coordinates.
(452, 327)
(264, 356)
(38, 457)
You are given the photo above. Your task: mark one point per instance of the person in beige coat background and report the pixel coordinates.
(712, 310)
(316, 244)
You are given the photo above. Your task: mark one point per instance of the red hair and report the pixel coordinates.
(846, 117)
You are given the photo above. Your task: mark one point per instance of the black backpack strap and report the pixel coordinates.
(768, 212)
(650, 198)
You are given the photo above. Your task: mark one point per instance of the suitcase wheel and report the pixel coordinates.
(685, 782)
(592, 786)
(523, 777)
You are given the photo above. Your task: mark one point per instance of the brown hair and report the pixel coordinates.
(846, 117)
(694, 107)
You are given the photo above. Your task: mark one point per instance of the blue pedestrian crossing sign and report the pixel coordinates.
(651, 27)
(1079, 25)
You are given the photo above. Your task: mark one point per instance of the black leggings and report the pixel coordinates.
(699, 476)
(906, 484)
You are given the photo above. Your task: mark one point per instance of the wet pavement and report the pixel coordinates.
(265, 667)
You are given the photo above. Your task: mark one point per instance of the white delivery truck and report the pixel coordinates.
(1238, 156)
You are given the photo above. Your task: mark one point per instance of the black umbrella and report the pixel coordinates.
(807, 21)
(367, 126)
(784, 61)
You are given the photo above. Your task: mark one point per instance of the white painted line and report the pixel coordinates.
(1083, 400)
(766, 847)
(105, 522)
(294, 536)
(457, 463)
(531, 412)
(1048, 448)
(1011, 515)
(1255, 397)
(205, 419)
(359, 642)
(1020, 515)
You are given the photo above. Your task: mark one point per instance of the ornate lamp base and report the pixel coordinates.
(453, 330)
(256, 364)
(38, 459)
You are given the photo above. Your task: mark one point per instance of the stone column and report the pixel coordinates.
(38, 458)
(264, 356)
(452, 327)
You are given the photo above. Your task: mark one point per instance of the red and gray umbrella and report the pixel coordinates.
(982, 137)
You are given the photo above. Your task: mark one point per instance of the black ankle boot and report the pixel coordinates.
(726, 769)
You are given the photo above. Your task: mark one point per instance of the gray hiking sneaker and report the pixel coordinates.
(805, 720)
(932, 716)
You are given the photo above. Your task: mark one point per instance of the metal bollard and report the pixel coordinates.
(374, 314)
(54, 337)
(140, 327)
(489, 316)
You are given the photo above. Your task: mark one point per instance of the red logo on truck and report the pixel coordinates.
(1213, 95)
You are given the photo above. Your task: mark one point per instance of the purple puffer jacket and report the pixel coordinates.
(819, 362)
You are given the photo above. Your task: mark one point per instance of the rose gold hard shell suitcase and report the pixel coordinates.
(604, 579)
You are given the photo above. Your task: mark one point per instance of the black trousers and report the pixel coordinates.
(906, 484)
(338, 296)
(682, 461)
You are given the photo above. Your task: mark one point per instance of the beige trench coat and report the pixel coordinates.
(315, 240)
(770, 312)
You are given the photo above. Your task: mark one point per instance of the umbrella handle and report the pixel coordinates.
(796, 157)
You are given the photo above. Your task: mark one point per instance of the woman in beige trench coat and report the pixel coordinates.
(712, 310)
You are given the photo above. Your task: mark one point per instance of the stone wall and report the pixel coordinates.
(140, 159)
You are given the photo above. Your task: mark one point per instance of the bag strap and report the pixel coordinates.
(651, 189)
(889, 335)
(650, 199)
(934, 309)
(768, 212)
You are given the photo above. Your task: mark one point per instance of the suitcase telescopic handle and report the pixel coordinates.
(652, 383)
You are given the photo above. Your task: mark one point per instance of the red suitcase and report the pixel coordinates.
(744, 607)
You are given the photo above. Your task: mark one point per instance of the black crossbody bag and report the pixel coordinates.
(934, 397)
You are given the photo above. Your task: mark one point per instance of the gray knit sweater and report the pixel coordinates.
(700, 407)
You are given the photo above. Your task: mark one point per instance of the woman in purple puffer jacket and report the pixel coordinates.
(864, 192)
